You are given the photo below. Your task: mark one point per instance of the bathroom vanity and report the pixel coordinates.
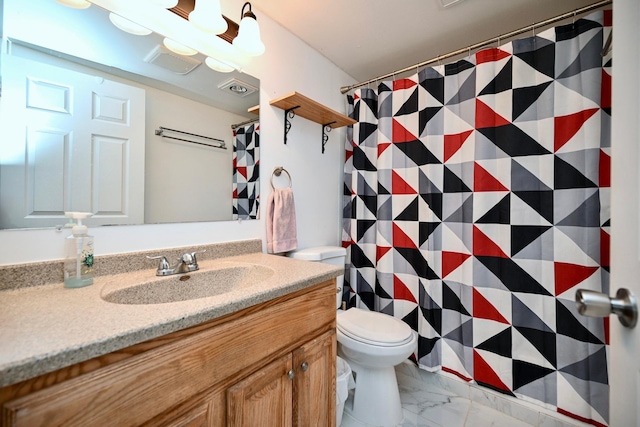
(265, 353)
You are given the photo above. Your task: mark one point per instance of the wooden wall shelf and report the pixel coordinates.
(296, 104)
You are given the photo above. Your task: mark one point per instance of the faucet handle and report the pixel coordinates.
(191, 257)
(163, 265)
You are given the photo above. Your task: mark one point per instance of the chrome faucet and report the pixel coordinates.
(186, 263)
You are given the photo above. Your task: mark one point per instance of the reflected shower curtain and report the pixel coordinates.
(246, 171)
(477, 202)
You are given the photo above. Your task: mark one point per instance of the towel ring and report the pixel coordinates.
(277, 171)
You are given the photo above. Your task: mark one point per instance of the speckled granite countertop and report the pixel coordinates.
(48, 327)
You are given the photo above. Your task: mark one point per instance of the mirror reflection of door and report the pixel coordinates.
(70, 143)
(183, 182)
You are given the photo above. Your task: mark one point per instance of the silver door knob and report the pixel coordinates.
(597, 304)
(291, 373)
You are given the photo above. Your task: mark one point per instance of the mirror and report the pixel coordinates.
(55, 53)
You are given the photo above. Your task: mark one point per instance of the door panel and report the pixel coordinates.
(624, 366)
(315, 383)
(263, 398)
(71, 142)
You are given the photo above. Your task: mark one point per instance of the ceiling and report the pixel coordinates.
(369, 38)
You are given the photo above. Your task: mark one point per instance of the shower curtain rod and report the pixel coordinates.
(246, 122)
(523, 30)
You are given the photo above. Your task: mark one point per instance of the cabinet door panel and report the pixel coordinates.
(314, 386)
(262, 399)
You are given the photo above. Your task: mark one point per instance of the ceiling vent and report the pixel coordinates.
(237, 87)
(163, 57)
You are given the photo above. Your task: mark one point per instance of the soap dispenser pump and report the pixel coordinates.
(78, 263)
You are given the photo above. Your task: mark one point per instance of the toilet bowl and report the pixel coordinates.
(372, 344)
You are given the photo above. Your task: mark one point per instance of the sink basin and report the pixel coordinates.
(194, 285)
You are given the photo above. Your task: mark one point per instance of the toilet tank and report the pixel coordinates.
(334, 255)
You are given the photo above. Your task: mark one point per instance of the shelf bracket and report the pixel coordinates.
(288, 114)
(325, 130)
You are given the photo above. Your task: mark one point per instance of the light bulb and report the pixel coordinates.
(76, 4)
(207, 16)
(178, 48)
(165, 4)
(216, 65)
(128, 26)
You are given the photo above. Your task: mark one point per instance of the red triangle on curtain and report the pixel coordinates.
(451, 261)
(452, 143)
(403, 84)
(400, 290)
(491, 55)
(568, 275)
(381, 251)
(487, 118)
(348, 154)
(604, 172)
(242, 170)
(482, 372)
(484, 181)
(483, 309)
(605, 248)
(401, 240)
(484, 246)
(400, 186)
(235, 193)
(401, 134)
(383, 146)
(565, 127)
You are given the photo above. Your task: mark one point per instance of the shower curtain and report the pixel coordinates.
(476, 203)
(246, 171)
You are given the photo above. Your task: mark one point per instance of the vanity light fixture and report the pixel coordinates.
(197, 34)
(128, 26)
(248, 39)
(207, 15)
(177, 47)
(166, 4)
(76, 4)
(216, 65)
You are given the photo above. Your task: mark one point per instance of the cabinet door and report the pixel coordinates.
(314, 386)
(262, 399)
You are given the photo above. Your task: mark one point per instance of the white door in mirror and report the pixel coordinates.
(71, 145)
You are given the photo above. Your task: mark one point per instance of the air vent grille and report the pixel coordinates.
(163, 57)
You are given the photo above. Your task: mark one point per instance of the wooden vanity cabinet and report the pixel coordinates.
(272, 364)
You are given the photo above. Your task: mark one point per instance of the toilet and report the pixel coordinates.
(372, 344)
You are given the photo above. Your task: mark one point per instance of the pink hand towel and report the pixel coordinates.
(281, 221)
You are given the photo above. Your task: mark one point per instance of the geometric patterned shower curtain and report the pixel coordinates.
(246, 171)
(477, 202)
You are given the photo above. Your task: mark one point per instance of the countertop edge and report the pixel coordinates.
(31, 367)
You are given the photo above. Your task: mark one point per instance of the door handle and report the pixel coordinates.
(597, 304)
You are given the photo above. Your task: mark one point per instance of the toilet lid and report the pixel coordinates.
(373, 328)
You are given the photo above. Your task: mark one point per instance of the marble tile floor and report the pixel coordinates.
(431, 400)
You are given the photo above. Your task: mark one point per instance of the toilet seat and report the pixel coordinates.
(373, 328)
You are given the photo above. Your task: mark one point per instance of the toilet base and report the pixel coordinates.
(376, 399)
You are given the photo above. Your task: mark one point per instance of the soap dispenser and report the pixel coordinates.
(78, 263)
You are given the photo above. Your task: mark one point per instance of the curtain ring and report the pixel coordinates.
(533, 29)
(469, 53)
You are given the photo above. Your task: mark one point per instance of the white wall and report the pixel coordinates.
(185, 181)
(287, 65)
